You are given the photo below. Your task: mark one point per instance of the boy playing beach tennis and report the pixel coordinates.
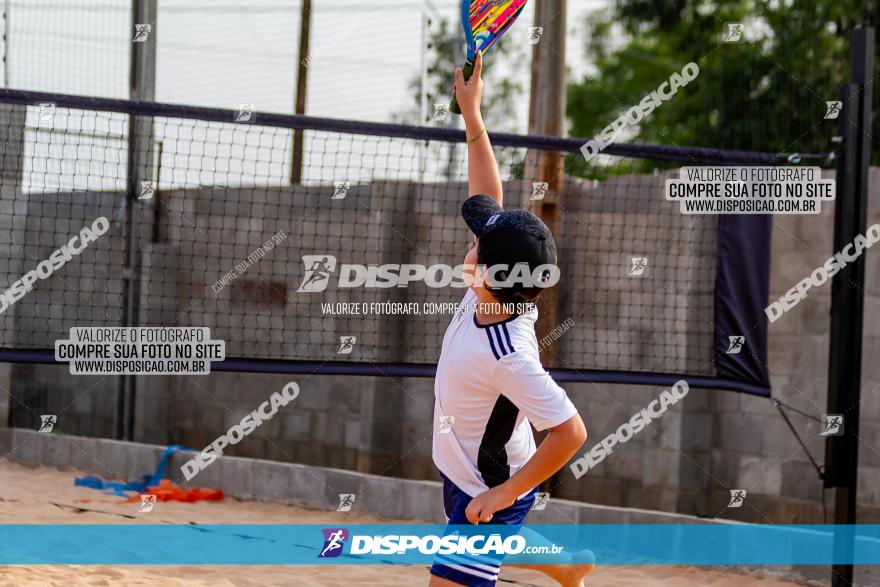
(490, 386)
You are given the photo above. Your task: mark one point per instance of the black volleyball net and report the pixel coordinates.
(219, 219)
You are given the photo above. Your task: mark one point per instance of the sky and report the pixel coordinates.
(222, 53)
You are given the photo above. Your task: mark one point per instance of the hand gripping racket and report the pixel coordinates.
(484, 22)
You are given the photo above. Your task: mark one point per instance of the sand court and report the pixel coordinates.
(44, 495)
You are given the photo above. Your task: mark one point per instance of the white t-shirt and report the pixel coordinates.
(489, 386)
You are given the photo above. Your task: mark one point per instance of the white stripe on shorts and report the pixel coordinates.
(462, 560)
(473, 572)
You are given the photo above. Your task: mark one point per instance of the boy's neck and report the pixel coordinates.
(489, 310)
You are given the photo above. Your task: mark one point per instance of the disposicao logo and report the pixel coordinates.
(319, 269)
(334, 541)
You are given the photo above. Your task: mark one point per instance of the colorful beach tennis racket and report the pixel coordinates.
(484, 22)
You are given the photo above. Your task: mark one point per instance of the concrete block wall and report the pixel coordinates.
(732, 441)
(711, 443)
(86, 291)
(754, 449)
(13, 208)
(664, 318)
(327, 425)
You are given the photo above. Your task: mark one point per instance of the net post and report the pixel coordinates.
(847, 298)
(140, 162)
(12, 161)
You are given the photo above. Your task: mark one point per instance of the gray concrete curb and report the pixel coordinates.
(319, 488)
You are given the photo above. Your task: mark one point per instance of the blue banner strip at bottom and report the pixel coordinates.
(694, 544)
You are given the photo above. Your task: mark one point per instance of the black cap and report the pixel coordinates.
(508, 237)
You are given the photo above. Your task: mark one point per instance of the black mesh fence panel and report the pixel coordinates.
(216, 235)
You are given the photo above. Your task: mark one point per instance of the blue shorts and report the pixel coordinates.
(473, 571)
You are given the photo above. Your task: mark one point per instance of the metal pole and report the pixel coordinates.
(847, 298)
(142, 86)
(423, 91)
(423, 66)
(6, 30)
(159, 224)
(305, 25)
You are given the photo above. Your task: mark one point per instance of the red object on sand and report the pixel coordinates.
(168, 491)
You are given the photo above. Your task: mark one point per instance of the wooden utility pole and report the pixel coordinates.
(547, 117)
(296, 161)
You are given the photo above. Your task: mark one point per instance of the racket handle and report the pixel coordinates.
(468, 71)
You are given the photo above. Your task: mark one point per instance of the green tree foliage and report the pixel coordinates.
(765, 94)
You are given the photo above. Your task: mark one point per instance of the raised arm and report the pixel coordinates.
(483, 175)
